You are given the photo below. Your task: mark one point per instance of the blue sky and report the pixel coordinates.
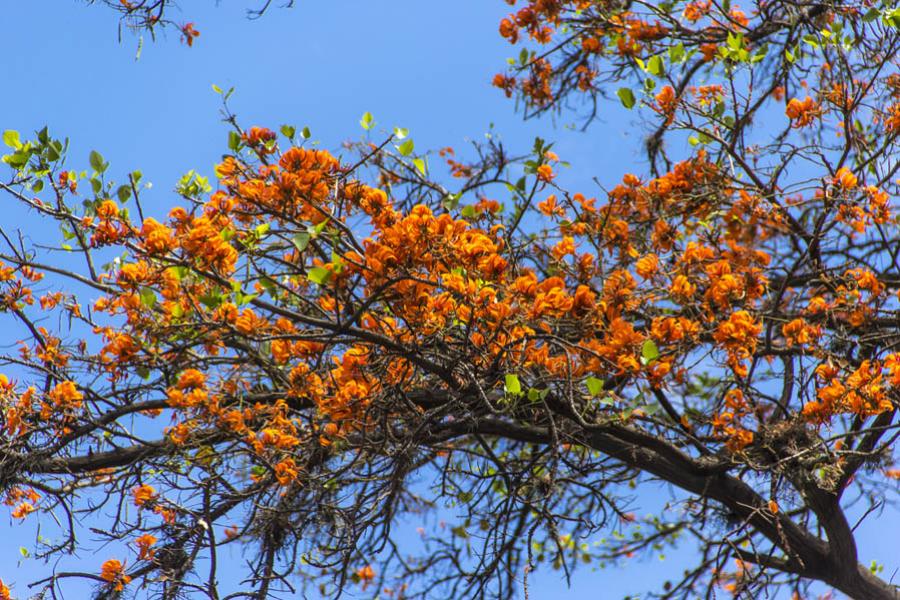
(425, 66)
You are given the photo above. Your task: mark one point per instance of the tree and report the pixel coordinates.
(310, 350)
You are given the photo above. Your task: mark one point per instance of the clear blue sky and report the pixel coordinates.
(426, 66)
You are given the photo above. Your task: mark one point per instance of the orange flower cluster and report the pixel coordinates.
(144, 544)
(738, 336)
(803, 113)
(143, 495)
(113, 572)
(862, 392)
(727, 423)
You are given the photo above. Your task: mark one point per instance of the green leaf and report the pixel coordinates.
(54, 151)
(626, 96)
(451, 201)
(512, 385)
(676, 53)
(401, 132)
(148, 297)
(468, 211)
(301, 240)
(305, 133)
(216, 89)
(234, 141)
(367, 121)
(123, 193)
(288, 131)
(655, 65)
(319, 275)
(419, 164)
(11, 139)
(96, 161)
(37, 186)
(649, 351)
(594, 386)
(406, 148)
(211, 300)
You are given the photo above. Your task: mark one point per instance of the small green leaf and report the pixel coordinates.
(234, 141)
(216, 89)
(211, 300)
(649, 351)
(419, 164)
(401, 132)
(11, 139)
(594, 386)
(367, 121)
(626, 96)
(406, 148)
(148, 297)
(305, 134)
(96, 161)
(319, 275)
(655, 66)
(301, 240)
(512, 385)
(288, 131)
(123, 193)
(37, 186)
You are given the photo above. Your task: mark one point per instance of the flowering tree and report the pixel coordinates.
(310, 350)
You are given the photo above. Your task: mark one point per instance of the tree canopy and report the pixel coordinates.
(308, 350)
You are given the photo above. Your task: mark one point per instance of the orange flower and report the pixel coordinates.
(365, 575)
(143, 494)
(666, 102)
(144, 543)
(188, 33)
(113, 572)
(286, 471)
(845, 179)
(66, 396)
(647, 266)
(549, 207)
(545, 173)
(682, 289)
(23, 510)
(696, 10)
(800, 332)
(231, 532)
(802, 112)
(191, 378)
(738, 336)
